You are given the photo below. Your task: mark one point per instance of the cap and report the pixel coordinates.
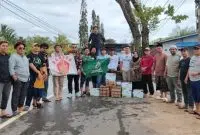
(173, 46)
(159, 44)
(35, 44)
(147, 49)
(127, 45)
(197, 46)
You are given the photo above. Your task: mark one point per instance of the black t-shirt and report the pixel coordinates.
(4, 70)
(45, 58)
(184, 66)
(37, 60)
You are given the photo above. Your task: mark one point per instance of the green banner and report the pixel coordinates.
(95, 67)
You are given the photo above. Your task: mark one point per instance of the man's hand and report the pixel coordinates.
(186, 80)
(144, 69)
(79, 72)
(194, 74)
(179, 83)
(40, 77)
(14, 77)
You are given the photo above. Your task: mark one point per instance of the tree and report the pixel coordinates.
(147, 18)
(98, 22)
(83, 25)
(8, 34)
(38, 39)
(62, 40)
(94, 16)
(102, 29)
(110, 41)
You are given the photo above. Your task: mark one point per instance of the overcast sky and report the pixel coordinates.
(65, 15)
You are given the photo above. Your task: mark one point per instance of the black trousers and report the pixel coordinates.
(147, 80)
(76, 83)
(94, 81)
(18, 94)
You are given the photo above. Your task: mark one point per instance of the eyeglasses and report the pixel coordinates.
(196, 48)
(21, 48)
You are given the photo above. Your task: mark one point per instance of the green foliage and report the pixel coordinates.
(102, 29)
(62, 40)
(150, 15)
(83, 24)
(38, 39)
(8, 34)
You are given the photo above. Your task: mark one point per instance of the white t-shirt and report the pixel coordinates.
(113, 64)
(194, 67)
(126, 60)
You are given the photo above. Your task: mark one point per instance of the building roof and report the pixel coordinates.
(181, 37)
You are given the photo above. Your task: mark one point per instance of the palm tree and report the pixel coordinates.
(8, 33)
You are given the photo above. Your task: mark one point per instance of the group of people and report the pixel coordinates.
(177, 74)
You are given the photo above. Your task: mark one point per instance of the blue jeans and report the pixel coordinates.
(101, 80)
(187, 94)
(46, 84)
(196, 91)
(98, 53)
(31, 90)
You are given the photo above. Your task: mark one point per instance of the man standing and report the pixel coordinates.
(97, 40)
(114, 60)
(101, 79)
(146, 67)
(75, 77)
(194, 75)
(19, 70)
(186, 89)
(43, 52)
(36, 62)
(5, 79)
(160, 61)
(172, 72)
(125, 63)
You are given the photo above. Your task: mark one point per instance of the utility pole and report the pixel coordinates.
(197, 2)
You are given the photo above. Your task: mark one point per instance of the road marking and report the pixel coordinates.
(11, 120)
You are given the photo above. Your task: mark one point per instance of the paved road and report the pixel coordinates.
(84, 116)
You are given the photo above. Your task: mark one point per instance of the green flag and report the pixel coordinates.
(95, 67)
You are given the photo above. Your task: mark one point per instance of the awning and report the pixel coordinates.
(186, 44)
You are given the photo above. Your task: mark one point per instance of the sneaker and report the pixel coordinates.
(77, 94)
(181, 106)
(26, 108)
(170, 101)
(178, 104)
(69, 95)
(46, 100)
(15, 113)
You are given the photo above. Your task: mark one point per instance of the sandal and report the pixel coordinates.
(5, 116)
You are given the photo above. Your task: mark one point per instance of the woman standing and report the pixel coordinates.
(58, 80)
(136, 74)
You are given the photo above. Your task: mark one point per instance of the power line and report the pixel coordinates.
(183, 1)
(28, 20)
(32, 16)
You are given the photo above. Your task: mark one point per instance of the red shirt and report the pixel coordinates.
(147, 61)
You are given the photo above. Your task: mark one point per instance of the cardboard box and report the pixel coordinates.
(138, 93)
(111, 77)
(104, 91)
(116, 92)
(126, 89)
(95, 92)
